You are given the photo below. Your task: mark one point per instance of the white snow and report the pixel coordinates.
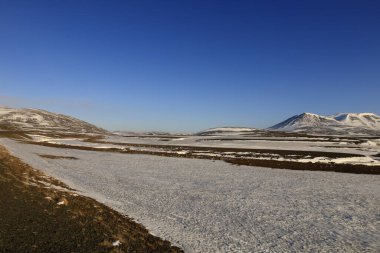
(348, 160)
(369, 143)
(212, 206)
(368, 120)
(116, 243)
(356, 160)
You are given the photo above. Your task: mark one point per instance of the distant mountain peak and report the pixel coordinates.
(366, 123)
(227, 130)
(367, 120)
(309, 114)
(303, 120)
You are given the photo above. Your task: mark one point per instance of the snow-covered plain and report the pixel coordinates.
(212, 206)
(264, 143)
(367, 148)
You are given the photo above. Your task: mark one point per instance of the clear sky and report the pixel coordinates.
(189, 65)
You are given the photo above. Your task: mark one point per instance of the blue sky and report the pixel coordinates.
(189, 65)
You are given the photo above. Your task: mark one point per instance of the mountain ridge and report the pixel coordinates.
(366, 119)
(340, 123)
(38, 119)
(227, 130)
(350, 123)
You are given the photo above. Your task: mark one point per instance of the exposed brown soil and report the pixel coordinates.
(36, 215)
(344, 168)
(14, 134)
(58, 157)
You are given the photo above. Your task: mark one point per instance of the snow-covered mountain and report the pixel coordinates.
(227, 131)
(342, 123)
(305, 120)
(35, 119)
(366, 120)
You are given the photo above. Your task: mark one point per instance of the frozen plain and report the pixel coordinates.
(207, 206)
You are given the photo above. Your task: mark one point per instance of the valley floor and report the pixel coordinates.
(41, 214)
(212, 206)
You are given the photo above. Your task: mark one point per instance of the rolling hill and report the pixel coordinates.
(35, 119)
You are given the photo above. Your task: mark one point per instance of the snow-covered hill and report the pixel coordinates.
(366, 120)
(227, 131)
(34, 119)
(342, 123)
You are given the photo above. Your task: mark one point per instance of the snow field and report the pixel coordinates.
(212, 206)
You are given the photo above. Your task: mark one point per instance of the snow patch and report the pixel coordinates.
(116, 243)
